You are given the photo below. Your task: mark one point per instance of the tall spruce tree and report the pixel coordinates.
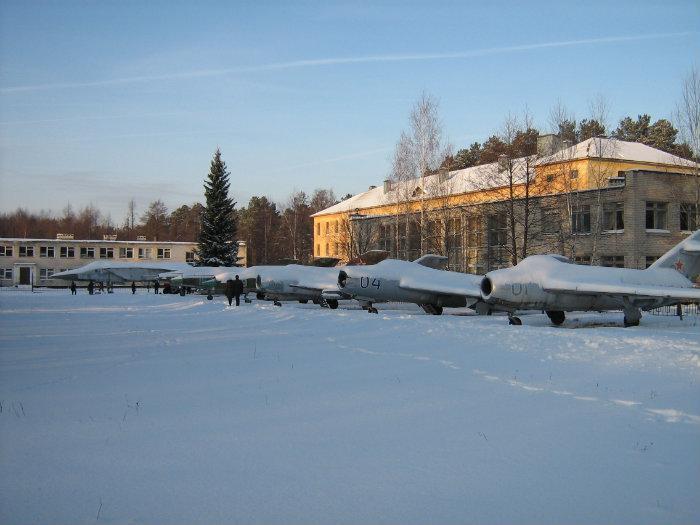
(217, 245)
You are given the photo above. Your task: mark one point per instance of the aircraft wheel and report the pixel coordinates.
(277, 303)
(557, 317)
(260, 296)
(210, 297)
(303, 301)
(332, 303)
(372, 310)
(182, 292)
(514, 320)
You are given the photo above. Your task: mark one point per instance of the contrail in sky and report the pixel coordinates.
(295, 64)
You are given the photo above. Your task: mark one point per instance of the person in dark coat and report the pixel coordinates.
(133, 287)
(91, 287)
(237, 290)
(73, 290)
(156, 286)
(228, 291)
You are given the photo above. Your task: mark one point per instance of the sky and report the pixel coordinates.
(101, 102)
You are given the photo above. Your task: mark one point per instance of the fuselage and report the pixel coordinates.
(525, 286)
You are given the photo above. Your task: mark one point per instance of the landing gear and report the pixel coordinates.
(514, 320)
(332, 303)
(431, 309)
(260, 296)
(277, 303)
(632, 317)
(303, 301)
(556, 316)
(210, 297)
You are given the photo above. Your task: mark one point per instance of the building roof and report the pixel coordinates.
(489, 176)
(485, 176)
(613, 149)
(94, 241)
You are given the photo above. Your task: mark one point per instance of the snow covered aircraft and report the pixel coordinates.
(419, 282)
(119, 272)
(292, 282)
(553, 284)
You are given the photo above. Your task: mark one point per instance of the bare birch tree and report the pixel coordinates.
(688, 122)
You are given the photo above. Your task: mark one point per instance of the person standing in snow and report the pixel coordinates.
(91, 287)
(156, 286)
(228, 291)
(133, 287)
(237, 290)
(72, 288)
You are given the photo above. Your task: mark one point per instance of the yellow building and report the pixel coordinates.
(602, 201)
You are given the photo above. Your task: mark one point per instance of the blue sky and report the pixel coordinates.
(104, 101)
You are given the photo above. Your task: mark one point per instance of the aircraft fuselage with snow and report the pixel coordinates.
(419, 282)
(119, 272)
(553, 284)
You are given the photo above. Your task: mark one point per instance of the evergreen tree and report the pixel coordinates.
(217, 245)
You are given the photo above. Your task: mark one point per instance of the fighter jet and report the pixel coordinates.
(118, 272)
(292, 282)
(553, 284)
(420, 282)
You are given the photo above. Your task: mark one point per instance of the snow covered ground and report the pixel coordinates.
(167, 409)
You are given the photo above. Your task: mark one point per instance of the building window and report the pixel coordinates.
(45, 273)
(582, 259)
(26, 251)
(318, 228)
(47, 251)
(328, 228)
(189, 257)
(656, 215)
(550, 178)
(318, 250)
(688, 218)
(581, 220)
(649, 260)
(126, 253)
(106, 253)
(164, 253)
(67, 252)
(613, 216)
(335, 226)
(6, 273)
(621, 174)
(497, 230)
(144, 253)
(327, 250)
(337, 248)
(87, 252)
(573, 174)
(615, 261)
(5, 251)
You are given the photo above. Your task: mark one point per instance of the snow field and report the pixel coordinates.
(167, 409)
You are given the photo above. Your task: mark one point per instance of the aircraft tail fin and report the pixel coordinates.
(437, 262)
(684, 257)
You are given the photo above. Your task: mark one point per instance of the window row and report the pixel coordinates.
(328, 226)
(656, 217)
(89, 252)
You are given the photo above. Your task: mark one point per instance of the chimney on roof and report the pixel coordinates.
(548, 144)
(387, 185)
(371, 188)
(64, 236)
(443, 175)
(502, 162)
(566, 144)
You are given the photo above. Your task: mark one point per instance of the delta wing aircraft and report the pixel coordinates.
(553, 284)
(292, 282)
(420, 282)
(119, 272)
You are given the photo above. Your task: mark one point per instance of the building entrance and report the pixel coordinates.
(25, 275)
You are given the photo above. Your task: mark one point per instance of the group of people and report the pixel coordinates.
(110, 287)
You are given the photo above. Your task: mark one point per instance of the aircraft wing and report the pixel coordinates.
(621, 290)
(466, 285)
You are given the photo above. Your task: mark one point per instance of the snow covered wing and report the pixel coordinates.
(621, 290)
(443, 283)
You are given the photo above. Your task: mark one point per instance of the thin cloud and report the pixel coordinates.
(295, 64)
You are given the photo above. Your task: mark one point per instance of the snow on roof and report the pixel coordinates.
(488, 176)
(608, 148)
(94, 241)
(485, 176)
